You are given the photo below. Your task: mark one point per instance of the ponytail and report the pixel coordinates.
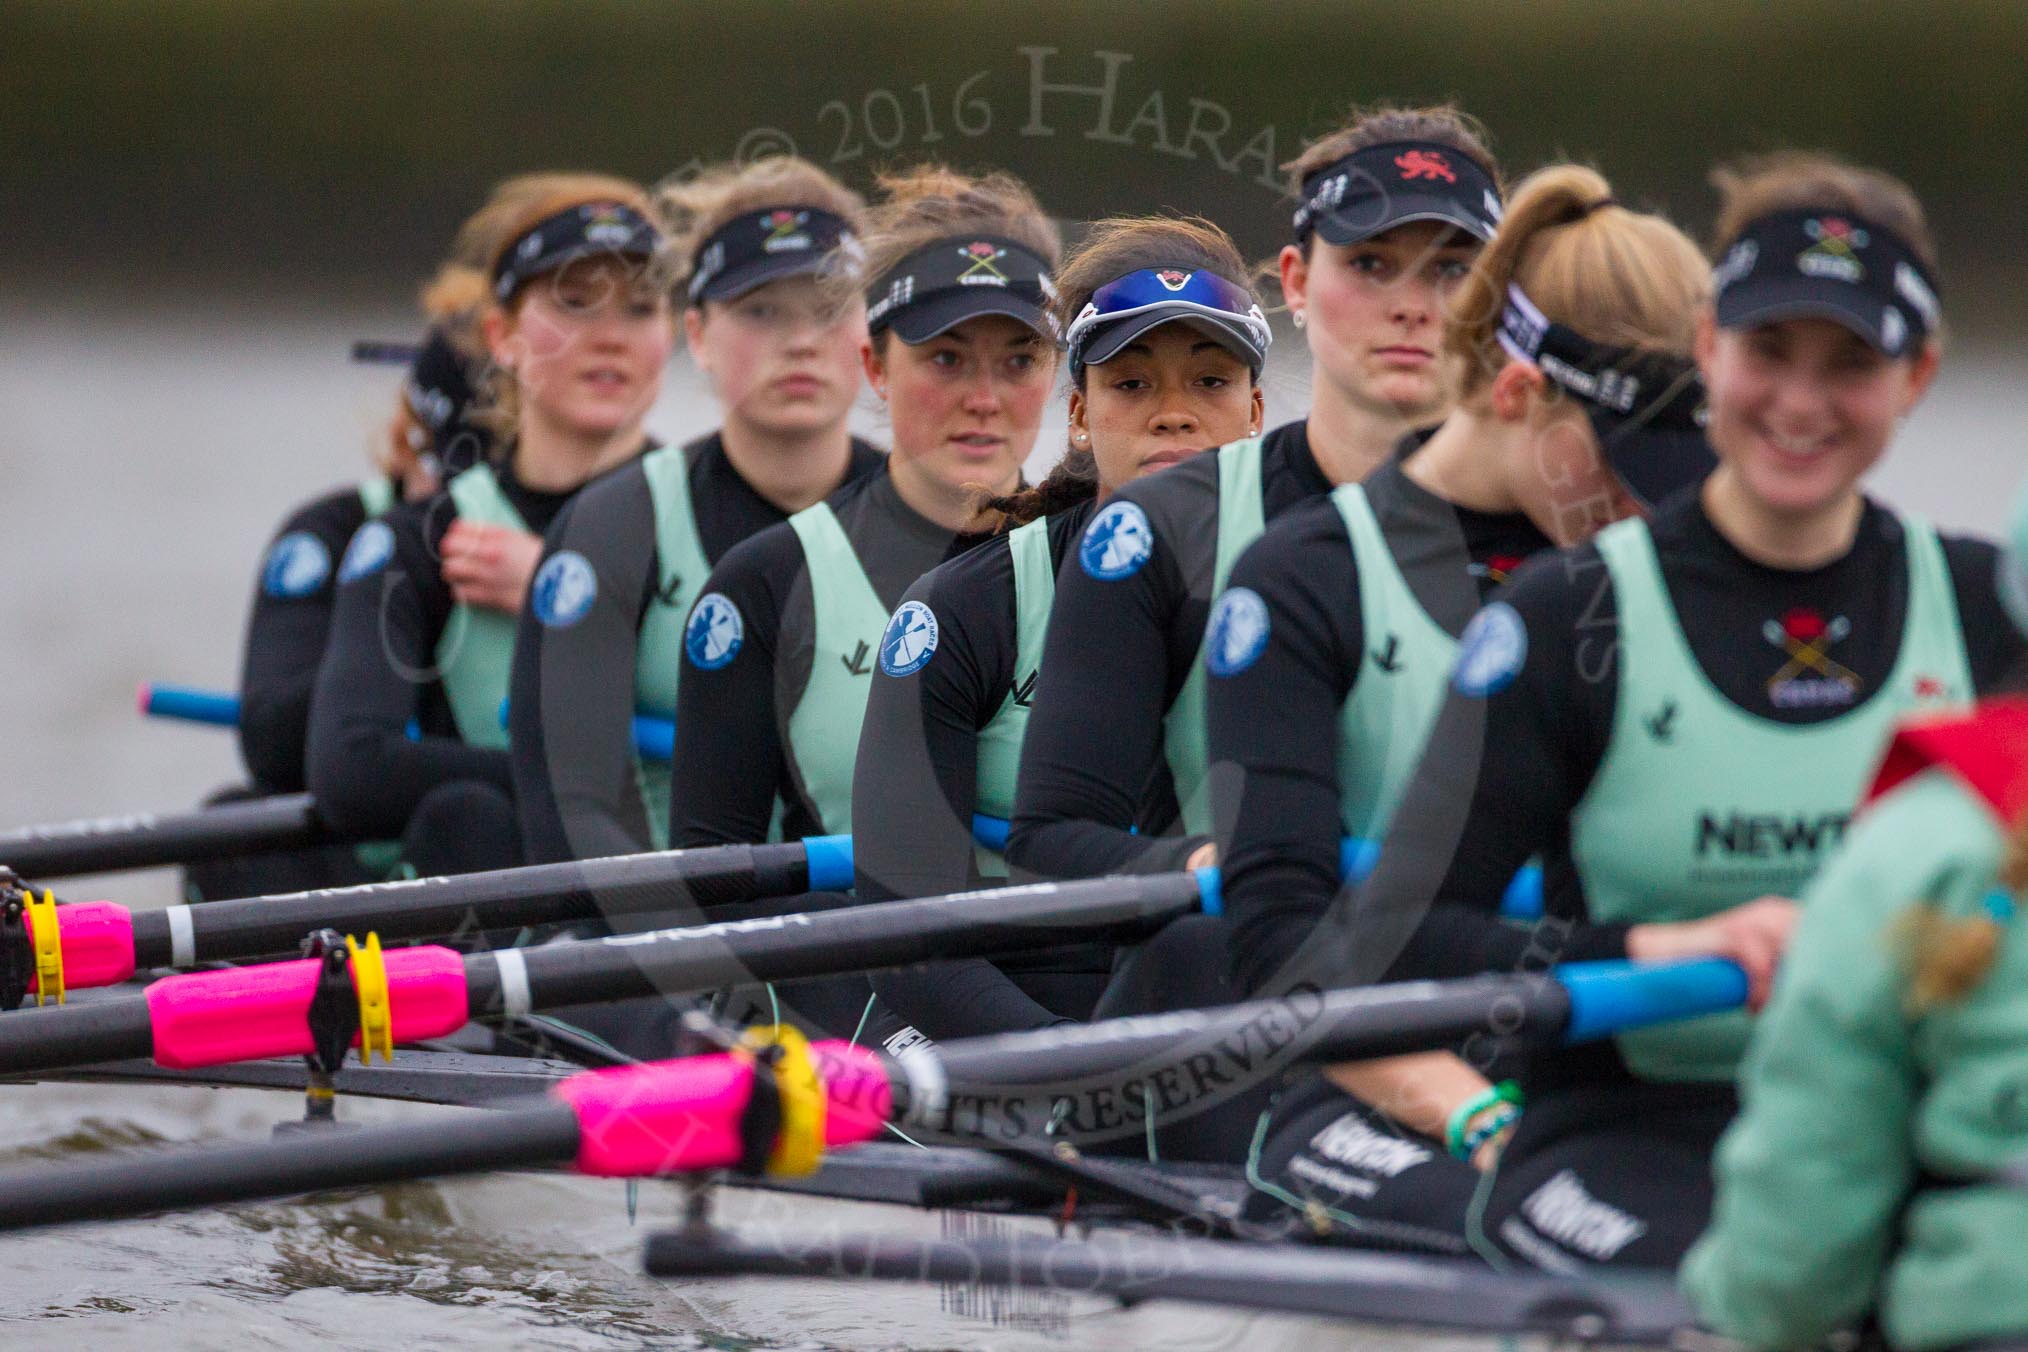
(1620, 277)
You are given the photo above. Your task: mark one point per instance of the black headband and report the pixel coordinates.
(1830, 264)
(587, 231)
(958, 277)
(1647, 408)
(1379, 187)
(757, 247)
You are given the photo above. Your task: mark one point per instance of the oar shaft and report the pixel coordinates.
(827, 943)
(76, 1034)
(545, 1133)
(672, 882)
(148, 839)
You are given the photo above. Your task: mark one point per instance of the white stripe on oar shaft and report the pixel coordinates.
(182, 941)
(513, 968)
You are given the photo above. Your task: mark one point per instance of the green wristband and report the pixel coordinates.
(1461, 1117)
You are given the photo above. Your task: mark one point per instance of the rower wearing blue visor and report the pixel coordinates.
(1165, 344)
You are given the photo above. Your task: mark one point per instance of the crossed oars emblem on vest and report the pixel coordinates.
(1805, 636)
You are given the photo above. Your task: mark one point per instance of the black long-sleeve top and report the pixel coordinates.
(285, 633)
(1277, 719)
(1117, 654)
(379, 671)
(732, 721)
(915, 788)
(572, 694)
(1502, 773)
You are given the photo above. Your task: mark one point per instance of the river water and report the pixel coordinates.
(145, 458)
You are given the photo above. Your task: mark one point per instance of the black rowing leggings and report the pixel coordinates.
(1613, 1176)
(1330, 1166)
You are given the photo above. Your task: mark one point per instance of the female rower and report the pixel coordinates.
(780, 649)
(1679, 717)
(1577, 403)
(292, 604)
(624, 561)
(1166, 343)
(578, 330)
(1882, 1090)
(1394, 206)
(291, 614)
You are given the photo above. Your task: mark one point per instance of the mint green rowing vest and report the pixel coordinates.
(376, 496)
(1000, 740)
(823, 738)
(1240, 522)
(1403, 674)
(476, 650)
(658, 651)
(1699, 805)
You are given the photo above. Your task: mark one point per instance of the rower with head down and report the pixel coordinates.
(1166, 342)
(564, 272)
(1681, 716)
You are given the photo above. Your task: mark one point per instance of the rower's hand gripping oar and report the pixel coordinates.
(673, 1117)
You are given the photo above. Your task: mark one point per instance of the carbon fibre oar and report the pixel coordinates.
(709, 1112)
(103, 943)
(655, 740)
(412, 994)
(1461, 1295)
(150, 839)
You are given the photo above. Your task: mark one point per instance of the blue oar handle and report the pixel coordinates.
(1615, 996)
(217, 707)
(1356, 858)
(654, 736)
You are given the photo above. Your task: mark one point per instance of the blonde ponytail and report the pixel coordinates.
(1620, 277)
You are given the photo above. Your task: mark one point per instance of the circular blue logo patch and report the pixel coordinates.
(1492, 652)
(1117, 543)
(1238, 632)
(910, 640)
(297, 565)
(564, 589)
(715, 631)
(372, 546)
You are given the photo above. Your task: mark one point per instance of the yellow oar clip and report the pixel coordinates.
(376, 1015)
(799, 1148)
(48, 936)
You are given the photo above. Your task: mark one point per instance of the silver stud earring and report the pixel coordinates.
(1297, 318)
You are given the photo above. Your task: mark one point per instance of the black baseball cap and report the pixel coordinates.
(1647, 408)
(961, 277)
(590, 230)
(1378, 187)
(761, 246)
(1832, 265)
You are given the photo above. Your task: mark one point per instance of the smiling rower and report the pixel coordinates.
(1681, 716)
(578, 326)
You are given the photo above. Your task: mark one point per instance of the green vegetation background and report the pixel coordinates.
(334, 146)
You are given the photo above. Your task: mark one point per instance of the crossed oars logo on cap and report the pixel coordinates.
(984, 258)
